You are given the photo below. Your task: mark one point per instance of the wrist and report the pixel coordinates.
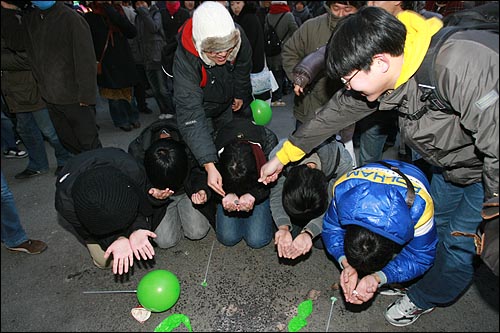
(284, 227)
(209, 165)
(308, 232)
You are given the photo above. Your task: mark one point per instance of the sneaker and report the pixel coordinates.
(403, 312)
(15, 153)
(29, 173)
(164, 116)
(278, 103)
(388, 290)
(31, 246)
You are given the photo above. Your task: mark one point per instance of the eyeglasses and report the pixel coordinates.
(347, 83)
(215, 53)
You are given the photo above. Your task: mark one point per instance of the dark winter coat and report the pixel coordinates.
(200, 103)
(196, 179)
(118, 65)
(62, 55)
(241, 128)
(19, 87)
(110, 156)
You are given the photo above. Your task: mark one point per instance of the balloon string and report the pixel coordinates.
(109, 291)
(209, 258)
(330, 316)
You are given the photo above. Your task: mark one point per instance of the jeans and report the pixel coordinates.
(33, 141)
(122, 113)
(374, 131)
(371, 144)
(8, 135)
(181, 219)
(455, 208)
(279, 75)
(45, 125)
(255, 227)
(158, 81)
(13, 232)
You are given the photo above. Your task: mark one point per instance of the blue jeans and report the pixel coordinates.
(371, 144)
(13, 232)
(42, 118)
(158, 81)
(122, 113)
(456, 208)
(8, 135)
(33, 141)
(255, 227)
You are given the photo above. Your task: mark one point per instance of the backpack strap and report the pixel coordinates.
(410, 193)
(278, 22)
(425, 75)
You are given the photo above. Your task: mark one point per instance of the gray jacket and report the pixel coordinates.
(150, 36)
(334, 161)
(464, 144)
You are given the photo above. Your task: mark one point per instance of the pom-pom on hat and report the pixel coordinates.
(106, 200)
(214, 31)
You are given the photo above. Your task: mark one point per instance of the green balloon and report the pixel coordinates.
(261, 112)
(158, 290)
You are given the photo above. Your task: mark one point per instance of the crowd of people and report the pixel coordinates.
(204, 164)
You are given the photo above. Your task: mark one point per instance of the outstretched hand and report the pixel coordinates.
(269, 172)
(214, 179)
(123, 256)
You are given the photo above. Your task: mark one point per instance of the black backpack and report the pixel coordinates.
(483, 17)
(273, 42)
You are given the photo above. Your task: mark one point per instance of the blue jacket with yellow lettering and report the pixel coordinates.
(374, 197)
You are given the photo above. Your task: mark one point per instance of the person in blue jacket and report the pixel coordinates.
(380, 227)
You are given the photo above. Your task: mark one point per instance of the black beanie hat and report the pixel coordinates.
(105, 200)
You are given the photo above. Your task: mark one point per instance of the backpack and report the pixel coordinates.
(483, 17)
(273, 42)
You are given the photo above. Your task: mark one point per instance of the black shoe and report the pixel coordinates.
(58, 170)
(136, 124)
(146, 110)
(29, 173)
(126, 128)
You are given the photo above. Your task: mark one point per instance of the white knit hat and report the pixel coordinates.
(279, 3)
(214, 30)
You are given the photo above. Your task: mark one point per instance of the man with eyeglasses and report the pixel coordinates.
(378, 54)
(211, 81)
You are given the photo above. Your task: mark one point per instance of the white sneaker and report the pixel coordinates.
(164, 116)
(403, 312)
(388, 290)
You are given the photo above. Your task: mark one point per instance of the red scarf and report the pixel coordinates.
(278, 9)
(173, 7)
(258, 153)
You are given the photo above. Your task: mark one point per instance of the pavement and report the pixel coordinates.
(246, 290)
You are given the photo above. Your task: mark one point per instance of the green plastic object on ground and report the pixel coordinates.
(173, 321)
(158, 290)
(304, 310)
(261, 112)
